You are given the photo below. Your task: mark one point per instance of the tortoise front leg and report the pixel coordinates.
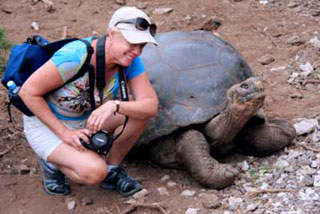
(264, 138)
(194, 152)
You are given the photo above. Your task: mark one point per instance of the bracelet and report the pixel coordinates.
(117, 103)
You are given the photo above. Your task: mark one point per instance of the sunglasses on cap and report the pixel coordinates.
(140, 24)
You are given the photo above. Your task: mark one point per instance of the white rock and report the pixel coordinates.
(281, 194)
(163, 191)
(171, 184)
(248, 187)
(142, 193)
(162, 10)
(264, 186)
(244, 166)
(281, 164)
(165, 178)
(294, 154)
(316, 181)
(130, 201)
(71, 205)
(280, 68)
(235, 203)
(306, 170)
(308, 194)
(192, 211)
(315, 137)
(312, 194)
(264, 2)
(314, 164)
(277, 204)
(315, 42)
(252, 207)
(35, 26)
(188, 193)
(293, 212)
(307, 68)
(305, 126)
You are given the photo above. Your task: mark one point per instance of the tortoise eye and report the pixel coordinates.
(244, 86)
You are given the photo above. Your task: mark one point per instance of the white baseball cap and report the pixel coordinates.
(129, 30)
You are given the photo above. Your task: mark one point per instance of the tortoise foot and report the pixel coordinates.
(218, 176)
(193, 152)
(266, 138)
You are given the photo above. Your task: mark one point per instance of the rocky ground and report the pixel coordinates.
(281, 41)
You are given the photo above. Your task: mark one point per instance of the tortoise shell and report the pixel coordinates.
(191, 73)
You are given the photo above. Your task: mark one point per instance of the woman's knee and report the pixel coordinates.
(92, 172)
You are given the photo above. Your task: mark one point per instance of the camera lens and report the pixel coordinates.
(99, 139)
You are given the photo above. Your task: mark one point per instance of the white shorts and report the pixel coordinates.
(41, 139)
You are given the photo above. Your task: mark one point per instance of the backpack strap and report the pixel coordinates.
(86, 64)
(87, 67)
(100, 64)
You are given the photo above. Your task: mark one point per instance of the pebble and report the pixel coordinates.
(295, 41)
(86, 201)
(171, 184)
(192, 211)
(306, 126)
(281, 164)
(210, 201)
(162, 11)
(252, 207)
(315, 42)
(165, 178)
(35, 26)
(278, 69)
(21, 169)
(235, 203)
(163, 191)
(266, 59)
(306, 69)
(316, 181)
(141, 194)
(188, 193)
(71, 205)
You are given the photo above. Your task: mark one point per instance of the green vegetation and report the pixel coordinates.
(265, 169)
(5, 47)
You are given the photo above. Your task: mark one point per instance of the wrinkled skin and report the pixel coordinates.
(240, 126)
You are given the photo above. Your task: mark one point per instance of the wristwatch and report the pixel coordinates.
(117, 103)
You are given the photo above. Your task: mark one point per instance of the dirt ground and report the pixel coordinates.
(277, 31)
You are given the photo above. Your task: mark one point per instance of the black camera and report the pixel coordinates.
(100, 142)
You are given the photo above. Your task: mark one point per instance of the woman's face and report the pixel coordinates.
(124, 52)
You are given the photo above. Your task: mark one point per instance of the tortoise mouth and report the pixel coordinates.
(256, 95)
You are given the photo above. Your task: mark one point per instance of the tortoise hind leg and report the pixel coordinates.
(194, 152)
(265, 138)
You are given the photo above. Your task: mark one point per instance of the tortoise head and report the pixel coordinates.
(247, 95)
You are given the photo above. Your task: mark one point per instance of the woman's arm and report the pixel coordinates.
(143, 106)
(145, 103)
(41, 82)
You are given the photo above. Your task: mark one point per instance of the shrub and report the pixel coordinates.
(5, 47)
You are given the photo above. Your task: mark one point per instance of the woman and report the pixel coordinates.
(63, 118)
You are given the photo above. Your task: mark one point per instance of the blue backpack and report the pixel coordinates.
(27, 57)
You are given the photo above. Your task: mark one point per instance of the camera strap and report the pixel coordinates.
(101, 80)
(123, 93)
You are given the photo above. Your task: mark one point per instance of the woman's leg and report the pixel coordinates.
(127, 139)
(81, 167)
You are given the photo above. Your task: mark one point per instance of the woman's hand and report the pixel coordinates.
(99, 116)
(74, 137)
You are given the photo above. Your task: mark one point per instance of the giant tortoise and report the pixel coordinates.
(210, 100)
